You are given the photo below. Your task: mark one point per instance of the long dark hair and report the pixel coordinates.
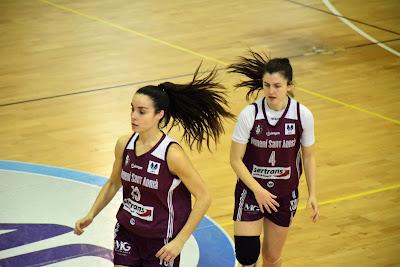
(198, 106)
(254, 68)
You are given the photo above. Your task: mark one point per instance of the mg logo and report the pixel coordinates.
(122, 246)
(153, 167)
(251, 208)
(166, 263)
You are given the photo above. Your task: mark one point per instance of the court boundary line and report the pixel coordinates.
(84, 91)
(358, 30)
(374, 43)
(340, 15)
(340, 199)
(208, 57)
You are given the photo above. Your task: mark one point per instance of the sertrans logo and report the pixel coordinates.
(271, 172)
(138, 210)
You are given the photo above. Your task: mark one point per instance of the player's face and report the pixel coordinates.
(275, 88)
(143, 114)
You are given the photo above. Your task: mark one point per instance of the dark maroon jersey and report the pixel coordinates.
(156, 204)
(273, 155)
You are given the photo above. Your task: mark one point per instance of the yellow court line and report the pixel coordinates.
(339, 199)
(361, 194)
(122, 28)
(180, 48)
(348, 105)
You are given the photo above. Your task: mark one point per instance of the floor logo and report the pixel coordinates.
(54, 196)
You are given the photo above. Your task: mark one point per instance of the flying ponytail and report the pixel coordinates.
(198, 106)
(254, 68)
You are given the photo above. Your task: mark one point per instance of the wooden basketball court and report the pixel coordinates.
(69, 69)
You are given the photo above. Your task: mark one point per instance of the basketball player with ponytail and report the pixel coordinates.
(156, 216)
(272, 140)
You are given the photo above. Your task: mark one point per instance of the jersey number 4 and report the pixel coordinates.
(272, 159)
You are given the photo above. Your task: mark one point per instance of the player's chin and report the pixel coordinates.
(135, 128)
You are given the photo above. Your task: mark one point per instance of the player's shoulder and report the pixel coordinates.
(305, 113)
(250, 109)
(176, 156)
(174, 150)
(122, 141)
(304, 110)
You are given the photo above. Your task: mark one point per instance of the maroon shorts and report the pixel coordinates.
(133, 250)
(246, 207)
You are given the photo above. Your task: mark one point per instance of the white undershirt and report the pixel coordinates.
(245, 122)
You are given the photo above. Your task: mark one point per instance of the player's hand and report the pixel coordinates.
(170, 251)
(312, 203)
(266, 200)
(81, 224)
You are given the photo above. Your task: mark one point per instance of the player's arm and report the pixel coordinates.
(181, 166)
(108, 190)
(264, 198)
(236, 159)
(308, 155)
(310, 172)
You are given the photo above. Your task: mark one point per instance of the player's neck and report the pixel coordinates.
(278, 106)
(150, 137)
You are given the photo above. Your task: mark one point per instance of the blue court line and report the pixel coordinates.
(53, 171)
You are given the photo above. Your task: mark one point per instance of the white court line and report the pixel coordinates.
(355, 28)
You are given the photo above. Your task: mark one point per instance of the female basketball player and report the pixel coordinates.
(156, 217)
(272, 137)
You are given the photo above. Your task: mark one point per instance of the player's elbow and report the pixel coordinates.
(208, 200)
(234, 161)
(205, 198)
(112, 185)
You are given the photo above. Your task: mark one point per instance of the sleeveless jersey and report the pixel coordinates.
(156, 204)
(273, 155)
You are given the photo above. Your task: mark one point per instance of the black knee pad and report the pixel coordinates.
(247, 249)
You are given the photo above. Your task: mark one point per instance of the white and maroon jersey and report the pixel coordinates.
(156, 204)
(273, 155)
